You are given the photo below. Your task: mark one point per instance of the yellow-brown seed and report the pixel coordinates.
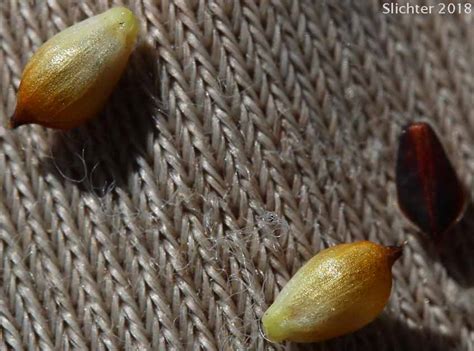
(70, 77)
(338, 291)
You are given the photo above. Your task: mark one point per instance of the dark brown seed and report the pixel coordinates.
(429, 191)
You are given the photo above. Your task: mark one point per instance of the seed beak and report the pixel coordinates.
(394, 253)
(12, 123)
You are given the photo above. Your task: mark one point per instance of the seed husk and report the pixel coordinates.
(429, 191)
(338, 291)
(70, 77)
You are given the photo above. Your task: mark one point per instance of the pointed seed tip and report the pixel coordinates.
(394, 252)
(13, 123)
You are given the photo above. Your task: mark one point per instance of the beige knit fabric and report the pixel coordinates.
(244, 137)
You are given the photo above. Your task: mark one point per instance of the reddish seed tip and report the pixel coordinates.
(428, 188)
(12, 124)
(18, 119)
(394, 253)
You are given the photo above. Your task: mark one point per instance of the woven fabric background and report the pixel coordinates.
(244, 137)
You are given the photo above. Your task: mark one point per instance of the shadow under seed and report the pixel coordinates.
(388, 334)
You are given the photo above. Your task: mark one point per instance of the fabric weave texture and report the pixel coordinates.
(244, 137)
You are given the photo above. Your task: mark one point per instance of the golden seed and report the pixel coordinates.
(70, 77)
(339, 290)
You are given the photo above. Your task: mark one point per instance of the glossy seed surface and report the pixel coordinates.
(338, 291)
(70, 77)
(428, 188)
